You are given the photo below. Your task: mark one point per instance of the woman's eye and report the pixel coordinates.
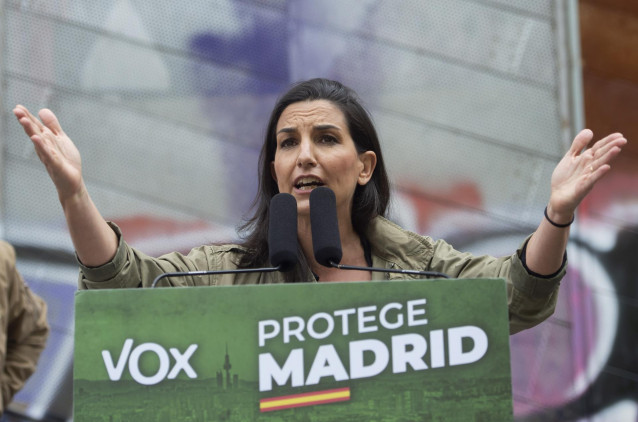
(328, 139)
(286, 143)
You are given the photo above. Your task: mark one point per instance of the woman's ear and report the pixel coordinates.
(272, 171)
(369, 161)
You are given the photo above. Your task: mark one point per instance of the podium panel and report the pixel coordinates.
(386, 351)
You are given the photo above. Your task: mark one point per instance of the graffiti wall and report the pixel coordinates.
(475, 102)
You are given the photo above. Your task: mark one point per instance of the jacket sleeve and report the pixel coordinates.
(131, 268)
(531, 298)
(24, 327)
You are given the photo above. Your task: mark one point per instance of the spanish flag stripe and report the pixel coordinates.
(313, 393)
(305, 399)
(270, 409)
(315, 397)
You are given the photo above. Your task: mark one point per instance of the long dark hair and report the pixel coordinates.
(369, 201)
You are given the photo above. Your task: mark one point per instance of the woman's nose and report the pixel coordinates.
(306, 155)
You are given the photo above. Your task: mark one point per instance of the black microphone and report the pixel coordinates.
(326, 241)
(282, 232)
(324, 226)
(282, 241)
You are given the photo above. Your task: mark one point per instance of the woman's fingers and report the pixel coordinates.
(581, 140)
(608, 154)
(43, 133)
(581, 168)
(50, 121)
(603, 147)
(30, 124)
(605, 144)
(600, 153)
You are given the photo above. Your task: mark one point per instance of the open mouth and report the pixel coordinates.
(308, 183)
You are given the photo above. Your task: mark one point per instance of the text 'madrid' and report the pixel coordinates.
(419, 350)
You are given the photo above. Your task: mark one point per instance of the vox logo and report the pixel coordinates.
(132, 356)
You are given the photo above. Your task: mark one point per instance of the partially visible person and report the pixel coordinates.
(24, 329)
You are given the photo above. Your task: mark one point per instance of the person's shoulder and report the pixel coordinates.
(227, 255)
(393, 239)
(7, 252)
(225, 248)
(221, 250)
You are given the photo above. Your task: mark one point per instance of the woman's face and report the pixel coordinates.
(314, 148)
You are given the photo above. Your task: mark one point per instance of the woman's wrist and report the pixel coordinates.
(75, 200)
(556, 219)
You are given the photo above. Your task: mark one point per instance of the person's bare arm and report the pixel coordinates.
(94, 241)
(573, 178)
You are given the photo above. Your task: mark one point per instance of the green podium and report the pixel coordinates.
(370, 351)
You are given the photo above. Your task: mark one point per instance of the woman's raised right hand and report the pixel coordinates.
(56, 151)
(94, 240)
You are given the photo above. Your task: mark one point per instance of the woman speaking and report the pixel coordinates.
(319, 135)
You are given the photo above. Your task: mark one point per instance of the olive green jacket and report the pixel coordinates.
(24, 328)
(531, 299)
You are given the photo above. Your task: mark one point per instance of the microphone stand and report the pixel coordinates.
(282, 240)
(209, 272)
(388, 270)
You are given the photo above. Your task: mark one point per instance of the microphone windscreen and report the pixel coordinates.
(282, 232)
(325, 226)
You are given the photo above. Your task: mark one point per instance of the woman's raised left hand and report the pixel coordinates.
(579, 170)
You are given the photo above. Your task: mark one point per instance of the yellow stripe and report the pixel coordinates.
(306, 399)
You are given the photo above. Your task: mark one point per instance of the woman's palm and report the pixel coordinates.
(55, 149)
